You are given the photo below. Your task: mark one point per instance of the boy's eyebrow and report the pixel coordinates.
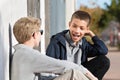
(78, 25)
(75, 24)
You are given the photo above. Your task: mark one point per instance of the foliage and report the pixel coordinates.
(112, 13)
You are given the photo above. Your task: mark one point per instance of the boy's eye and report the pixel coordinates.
(75, 26)
(82, 28)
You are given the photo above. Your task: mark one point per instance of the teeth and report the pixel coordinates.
(76, 35)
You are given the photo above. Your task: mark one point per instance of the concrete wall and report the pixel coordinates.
(10, 11)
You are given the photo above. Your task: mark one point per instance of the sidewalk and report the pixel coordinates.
(114, 71)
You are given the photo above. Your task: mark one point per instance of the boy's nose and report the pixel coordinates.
(78, 30)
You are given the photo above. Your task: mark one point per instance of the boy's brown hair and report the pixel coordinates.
(82, 15)
(25, 27)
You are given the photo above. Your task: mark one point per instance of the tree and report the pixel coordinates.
(112, 13)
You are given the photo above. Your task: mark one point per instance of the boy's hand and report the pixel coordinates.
(89, 33)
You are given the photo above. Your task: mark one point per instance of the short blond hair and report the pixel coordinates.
(24, 27)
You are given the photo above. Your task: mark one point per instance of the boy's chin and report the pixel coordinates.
(77, 39)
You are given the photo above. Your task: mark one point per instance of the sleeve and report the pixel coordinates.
(45, 64)
(98, 48)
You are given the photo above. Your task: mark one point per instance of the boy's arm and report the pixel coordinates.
(90, 33)
(47, 64)
(98, 48)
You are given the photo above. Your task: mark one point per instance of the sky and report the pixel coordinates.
(92, 3)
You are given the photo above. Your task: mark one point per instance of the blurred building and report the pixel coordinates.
(55, 15)
(111, 34)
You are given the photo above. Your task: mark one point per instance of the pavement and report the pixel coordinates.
(114, 70)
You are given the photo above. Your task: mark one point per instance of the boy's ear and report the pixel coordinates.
(34, 35)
